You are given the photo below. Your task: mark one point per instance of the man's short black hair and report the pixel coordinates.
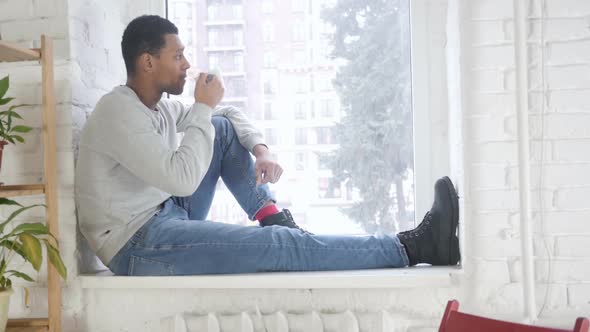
(145, 34)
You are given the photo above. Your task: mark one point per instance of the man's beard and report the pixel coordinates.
(175, 89)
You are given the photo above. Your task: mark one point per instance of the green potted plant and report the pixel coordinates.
(9, 132)
(24, 240)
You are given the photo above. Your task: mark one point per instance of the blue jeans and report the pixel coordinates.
(177, 241)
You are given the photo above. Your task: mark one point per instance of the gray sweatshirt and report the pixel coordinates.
(130, 161)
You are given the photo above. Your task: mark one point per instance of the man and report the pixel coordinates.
(142, 196)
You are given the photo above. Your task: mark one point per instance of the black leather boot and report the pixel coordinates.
(283, 218)
(435, 240)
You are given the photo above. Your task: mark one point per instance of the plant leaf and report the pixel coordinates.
(9, 138)
(21, 129)
(20, 275)
(11, 113)
(16, 213)
(18, 138)
(6, 201)
(3, 266)
(15, 246)
(55, 259)
(6, 101)
(32, 250)
(36, 228)
(4, 84)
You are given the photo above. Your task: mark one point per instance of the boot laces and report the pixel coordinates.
(416, 232)
(291, 221)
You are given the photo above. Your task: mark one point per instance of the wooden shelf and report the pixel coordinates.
(22, 190)
(13, 53)
(28, 329)
(28, 325)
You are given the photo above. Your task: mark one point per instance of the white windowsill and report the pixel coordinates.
(359, 279)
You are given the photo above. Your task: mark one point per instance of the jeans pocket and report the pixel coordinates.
(140, 266)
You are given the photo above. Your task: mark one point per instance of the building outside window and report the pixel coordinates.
(237, 11)
(287, 62)
(267, 7)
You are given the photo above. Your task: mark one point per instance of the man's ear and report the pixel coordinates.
(146, 63)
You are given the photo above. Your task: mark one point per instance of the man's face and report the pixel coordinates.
(170, 66)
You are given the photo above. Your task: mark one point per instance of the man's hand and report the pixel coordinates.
(209, 93)
(267, 170)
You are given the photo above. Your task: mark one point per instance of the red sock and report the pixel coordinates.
(266, 211)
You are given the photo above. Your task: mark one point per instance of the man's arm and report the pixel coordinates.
(248, 135)
(267, 169)
(135, 144)
(260, 150)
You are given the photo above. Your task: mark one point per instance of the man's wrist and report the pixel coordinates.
(260, 150)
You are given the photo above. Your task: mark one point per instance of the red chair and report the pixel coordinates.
(455, 321)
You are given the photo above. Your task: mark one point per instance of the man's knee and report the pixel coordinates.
(222, 125)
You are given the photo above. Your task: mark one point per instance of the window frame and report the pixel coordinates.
(426, 102)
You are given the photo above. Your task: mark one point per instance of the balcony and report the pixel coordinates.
(225, 22)
(224, 48)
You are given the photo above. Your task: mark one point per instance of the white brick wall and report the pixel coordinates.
(492, 150)
(89, 33)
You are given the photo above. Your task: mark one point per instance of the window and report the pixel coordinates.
(327, 108)
(270, 59)
(299, 93)
(270, 135)
(238, 37)
(325, 53)
(268, 32)
(300, 111)
(298, 33)
(237, 11)
(300, 161)
(323, 163)
(269, 86)
(300, 84)
(324, 135)
(324, 82)
(301, 136)
(329, 188)
(269, 111)
(214, 60)
(213, 36)
(239, 62)
(213, 11)
(236, 87)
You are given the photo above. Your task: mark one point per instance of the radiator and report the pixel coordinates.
(279, 321)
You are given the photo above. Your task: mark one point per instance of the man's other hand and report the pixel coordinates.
(267, 169)
(209, 93)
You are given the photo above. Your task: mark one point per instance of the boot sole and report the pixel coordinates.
(454, 252)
